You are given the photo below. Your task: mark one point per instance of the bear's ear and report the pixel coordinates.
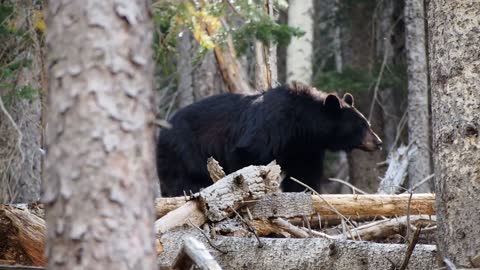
(348, 98)
(332, 103)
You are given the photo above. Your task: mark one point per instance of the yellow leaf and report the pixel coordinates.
(212, 22)
(202, 37)
(39, 23)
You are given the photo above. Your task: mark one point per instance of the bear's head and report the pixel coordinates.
(351, 129)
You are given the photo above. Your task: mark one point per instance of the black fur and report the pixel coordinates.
(293, 124)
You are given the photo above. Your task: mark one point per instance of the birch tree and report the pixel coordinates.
(98, 189)
(419, 164)
(299, 52)
(455, 74)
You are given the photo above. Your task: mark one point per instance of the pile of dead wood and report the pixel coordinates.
(243, 221)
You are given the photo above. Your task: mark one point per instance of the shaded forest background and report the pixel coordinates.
(356, 46)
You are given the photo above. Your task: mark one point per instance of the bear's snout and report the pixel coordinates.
(371, 142)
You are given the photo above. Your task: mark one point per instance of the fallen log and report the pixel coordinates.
(219, 200)
(356, 206)
(22, 233)
(20, 267)
(165, 205)
(192, 253)
(30, 229)
(374, 231)
(307, 253)
(191, 212)
(374, 205)
(384, 228)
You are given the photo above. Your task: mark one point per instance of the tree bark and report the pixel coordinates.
(195, 81)
(20, 147)
(419, 165)
(98, 192)
(300, 50)
(185, 69)
(454, 71)
(207, 79)
(266, 71)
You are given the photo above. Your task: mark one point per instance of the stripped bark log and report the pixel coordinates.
(395, 176)
(309, 253)
(188, 213)
(165, 205)
(287, 205)
(192, 253)
(371, 205)
(384, 228)
(290, 228)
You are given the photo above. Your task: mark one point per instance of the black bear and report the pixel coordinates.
(293, 124)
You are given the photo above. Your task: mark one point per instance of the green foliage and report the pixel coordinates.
(264, 30)
(171, 19)
(359, 80)
(14, 41)
(164, 38)
(351, 80)
(22, 93)
(5, 12)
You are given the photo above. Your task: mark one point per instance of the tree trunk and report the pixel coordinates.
(20, 122)
(419, 165)
(98, 192)
(185, 69)
(359, 53)
(300, 50)
(385, 51)
(195, 81)
(207, 79)
(230, 67)
(337, 39)
(266, 71)
(454, 72)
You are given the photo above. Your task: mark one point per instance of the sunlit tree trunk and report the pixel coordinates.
(299, 52)
(98, 189)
